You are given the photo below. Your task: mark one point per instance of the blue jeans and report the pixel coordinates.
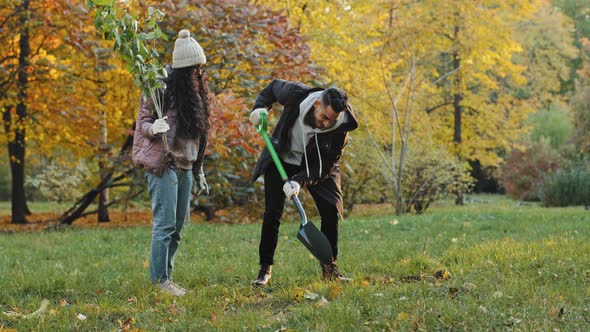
(170, 195)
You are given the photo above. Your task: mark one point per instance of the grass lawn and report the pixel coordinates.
(511, 267)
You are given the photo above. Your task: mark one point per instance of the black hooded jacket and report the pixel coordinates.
(330, 144)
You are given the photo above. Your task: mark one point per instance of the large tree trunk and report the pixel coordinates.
(16, 146)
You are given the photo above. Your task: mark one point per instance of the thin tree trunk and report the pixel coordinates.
(458, 95)
(103, 148)
(75, 213)
(405, 141)
(103, 199)
(16, 147)
(457, 98)
(79, 208)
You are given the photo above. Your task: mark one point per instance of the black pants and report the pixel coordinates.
(274, 204)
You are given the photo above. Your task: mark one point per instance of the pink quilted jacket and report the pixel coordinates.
(148, 150)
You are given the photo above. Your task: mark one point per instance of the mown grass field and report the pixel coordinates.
(511, 266)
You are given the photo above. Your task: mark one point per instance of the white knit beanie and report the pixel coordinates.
(187, 52)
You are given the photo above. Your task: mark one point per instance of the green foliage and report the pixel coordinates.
(553, 124)
(431, 174)
(547, 55)
(580, 103)
(579, 11)
(524, 170)
(581, 107)
(57, 183)
(363, 176)
(568, 186)
(131, 42)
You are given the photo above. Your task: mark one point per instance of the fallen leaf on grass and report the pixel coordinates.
(298, 294)
(174, 309)
(82, 317)
(310, 296)
(469, 286)
(132, 300)
(2, 329)
(125, 326)
(513, 321)
(413, 278)
(323, 302)
(442, 275)
(281, 318)
(402, 316)
(334, 291)
(41, 311)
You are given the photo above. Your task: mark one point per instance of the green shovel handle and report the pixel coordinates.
(261, 128)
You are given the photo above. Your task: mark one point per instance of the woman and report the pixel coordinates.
(169, 174)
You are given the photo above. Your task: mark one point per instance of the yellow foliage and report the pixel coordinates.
(366, 47)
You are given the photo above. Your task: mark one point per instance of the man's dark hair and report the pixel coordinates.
(336, 98)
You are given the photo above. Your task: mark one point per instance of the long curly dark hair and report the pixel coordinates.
(187, 90)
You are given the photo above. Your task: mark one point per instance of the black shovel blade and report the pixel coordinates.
(316, 242)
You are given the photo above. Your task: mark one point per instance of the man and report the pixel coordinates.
(309, 138)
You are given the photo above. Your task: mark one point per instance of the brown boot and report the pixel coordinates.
(330, 272)
(263, 275)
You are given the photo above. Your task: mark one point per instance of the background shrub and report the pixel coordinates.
(568, 186)
(525, 170)
(431, 174)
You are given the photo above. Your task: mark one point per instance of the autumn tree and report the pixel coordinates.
(548, 49)
(27, 36)
(232, 143)
(581, 103)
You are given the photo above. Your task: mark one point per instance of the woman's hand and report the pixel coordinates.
(201, 185)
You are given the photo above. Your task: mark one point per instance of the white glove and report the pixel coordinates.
(255, 115)
(291, 188)
(160, 126)
(201, 185)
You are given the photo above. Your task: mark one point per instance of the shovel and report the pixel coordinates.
(312, 238)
